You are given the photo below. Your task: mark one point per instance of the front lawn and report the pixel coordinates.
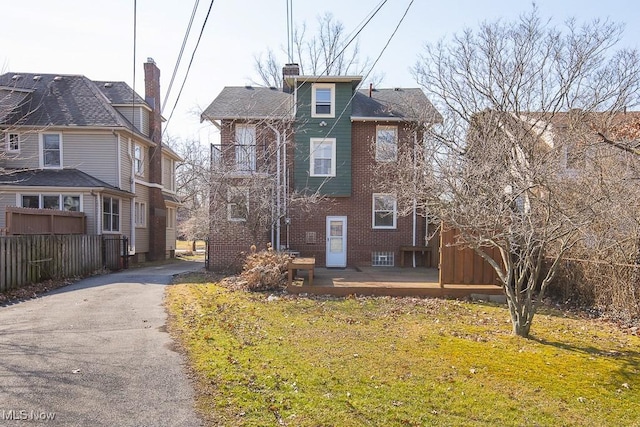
(287, 360)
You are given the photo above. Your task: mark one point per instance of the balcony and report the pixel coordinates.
(237, 159)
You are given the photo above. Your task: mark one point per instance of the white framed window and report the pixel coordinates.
(110, 214)
(140, 214)
(574, 157)
(384, 212)
(61, 202)
(245, 148)
(171, 218)
(172, 175)
(323, 100)
(322, 158)
(386, 143)
(237, 204)
(51, 150)
(13, 142)
(138, 159)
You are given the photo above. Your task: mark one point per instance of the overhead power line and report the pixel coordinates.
(184, 42)
(193, 54)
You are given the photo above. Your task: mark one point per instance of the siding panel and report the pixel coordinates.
(338, 127)
(94, 154)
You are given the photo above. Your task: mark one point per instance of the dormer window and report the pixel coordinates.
(323, 100)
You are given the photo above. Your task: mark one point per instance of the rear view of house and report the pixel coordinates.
(295, 169)
(69, 143)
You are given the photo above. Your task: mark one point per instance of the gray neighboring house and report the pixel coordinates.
(71, 143)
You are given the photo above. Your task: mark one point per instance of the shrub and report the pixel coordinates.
(265, 270)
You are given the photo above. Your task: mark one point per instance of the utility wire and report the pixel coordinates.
(184, 42)
(189, 67)
(133, 89)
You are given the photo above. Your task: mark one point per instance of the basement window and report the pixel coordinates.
(382, 259)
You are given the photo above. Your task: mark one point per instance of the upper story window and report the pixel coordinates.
(172, 174)
(245, 148)
(322, 158)
(323, 99)
(111, 214)
(384, 211)
(13, 142)
(51, 152)
(138, 159)
(386, 143)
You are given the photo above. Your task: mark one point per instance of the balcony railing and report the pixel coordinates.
(242, 159)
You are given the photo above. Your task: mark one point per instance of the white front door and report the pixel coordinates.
(336, 241)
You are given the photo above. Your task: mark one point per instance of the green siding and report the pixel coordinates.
(338, 127)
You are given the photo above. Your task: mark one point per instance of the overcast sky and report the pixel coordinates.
(95, 38)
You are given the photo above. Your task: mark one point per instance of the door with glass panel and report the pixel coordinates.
(336, 241)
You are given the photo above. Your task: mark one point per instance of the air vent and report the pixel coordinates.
(57, 78)
(310, 238)
(108, 84)
(16, 77)
(37, 78)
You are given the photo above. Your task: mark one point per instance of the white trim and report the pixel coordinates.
(111, 214)
(41, 149)
(58, 194)
(373, 212)
(7, 137)
(138, 170)
(381, 119)
(336, 259)
(140, 214)
(378, 153)
(312, 150)
(332, 89)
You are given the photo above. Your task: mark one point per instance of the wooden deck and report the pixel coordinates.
(385, 281)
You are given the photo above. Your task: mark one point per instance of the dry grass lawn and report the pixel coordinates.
(294, 361)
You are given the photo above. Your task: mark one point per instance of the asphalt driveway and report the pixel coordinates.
(95, 353)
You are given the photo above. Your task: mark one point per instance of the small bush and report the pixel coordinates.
(265, 270)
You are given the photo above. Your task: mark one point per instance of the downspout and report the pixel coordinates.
(132, 240)
(415, 222)
(278, 189)
(285, 185)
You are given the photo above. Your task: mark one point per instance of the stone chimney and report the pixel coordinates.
(157, 208)
(289, 70)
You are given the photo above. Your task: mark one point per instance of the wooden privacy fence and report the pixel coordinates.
(32, 259)
(460, 265)
(44, 221)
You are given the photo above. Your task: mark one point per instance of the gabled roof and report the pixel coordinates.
(249, 103)
(71, 178)
(257, 103)
(393, 104)
(61, 100)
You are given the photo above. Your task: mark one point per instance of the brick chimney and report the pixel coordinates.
(289, 70)
(157, 208)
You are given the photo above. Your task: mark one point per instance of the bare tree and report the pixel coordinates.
(326, 53)
(193, 186)
(520, 101)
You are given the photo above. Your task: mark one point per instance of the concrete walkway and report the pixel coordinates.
(95, 353)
